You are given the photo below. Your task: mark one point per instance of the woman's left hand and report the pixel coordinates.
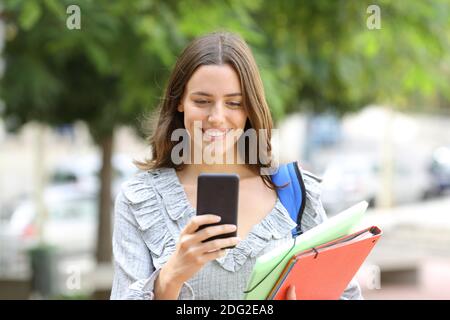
(290, 295)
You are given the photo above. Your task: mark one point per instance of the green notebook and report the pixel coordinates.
(269, 266)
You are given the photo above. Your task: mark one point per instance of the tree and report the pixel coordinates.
(99, 74)
(108, 73)
(330, 60)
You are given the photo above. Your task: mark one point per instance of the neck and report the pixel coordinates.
(241, 169)
(236, 166)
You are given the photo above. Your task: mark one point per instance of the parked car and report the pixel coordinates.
(349, 179)
(71, 201)
(71, 218)
(440, 170)
(85, 172)
(70, 225)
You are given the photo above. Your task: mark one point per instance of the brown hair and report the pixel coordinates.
(216, 48)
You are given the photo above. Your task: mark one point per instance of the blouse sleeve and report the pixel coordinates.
(134, 271)
(313, 215)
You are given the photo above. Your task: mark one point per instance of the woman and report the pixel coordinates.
(158, 250)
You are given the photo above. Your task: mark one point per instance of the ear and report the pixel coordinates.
(180, 108)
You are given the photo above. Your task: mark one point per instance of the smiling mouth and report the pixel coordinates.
(215, 134)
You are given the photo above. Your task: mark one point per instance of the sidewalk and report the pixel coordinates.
(413, 254)
(433, 284)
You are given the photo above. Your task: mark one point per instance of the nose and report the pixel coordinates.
(216, 114)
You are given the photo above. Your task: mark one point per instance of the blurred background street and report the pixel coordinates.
(365, 107)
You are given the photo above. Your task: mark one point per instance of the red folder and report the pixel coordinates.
(324, 272)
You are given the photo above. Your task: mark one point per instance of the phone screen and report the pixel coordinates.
(218, 193)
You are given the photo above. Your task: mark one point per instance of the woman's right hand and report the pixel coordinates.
(191, 254)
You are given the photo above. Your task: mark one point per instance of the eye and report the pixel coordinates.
(202, 101)
(234, 104)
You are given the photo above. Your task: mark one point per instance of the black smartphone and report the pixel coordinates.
(218, 193)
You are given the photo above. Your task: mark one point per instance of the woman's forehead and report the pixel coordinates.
(216, 80)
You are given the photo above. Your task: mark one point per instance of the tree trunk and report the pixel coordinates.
(104, 234)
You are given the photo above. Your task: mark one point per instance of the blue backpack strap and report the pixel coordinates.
(293, 195)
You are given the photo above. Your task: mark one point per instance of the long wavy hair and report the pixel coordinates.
(218, 48)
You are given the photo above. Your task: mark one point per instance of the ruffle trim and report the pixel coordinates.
(141, 194)
(172, 192)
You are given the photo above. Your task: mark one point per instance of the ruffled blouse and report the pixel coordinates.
(150, 212)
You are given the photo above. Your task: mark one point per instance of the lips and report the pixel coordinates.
(215, 133)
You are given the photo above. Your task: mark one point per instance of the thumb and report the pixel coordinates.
(291, 293)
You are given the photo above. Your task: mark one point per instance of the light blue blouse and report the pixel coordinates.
(150, 212)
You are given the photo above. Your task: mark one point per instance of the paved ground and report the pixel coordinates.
(433, 283)
(414, 253)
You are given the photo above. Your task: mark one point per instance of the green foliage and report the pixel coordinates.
(314, 55)
(333, 61)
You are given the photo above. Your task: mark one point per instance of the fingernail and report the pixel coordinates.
(218, 218)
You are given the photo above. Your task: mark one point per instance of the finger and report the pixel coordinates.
(197, 221)
(194, 240)
(210, 256)
(214, 231)
(218, 244)
(291, 293)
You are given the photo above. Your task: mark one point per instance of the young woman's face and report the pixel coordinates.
(213, 99)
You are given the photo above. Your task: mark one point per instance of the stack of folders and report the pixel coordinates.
(324, 272)
(320, 263)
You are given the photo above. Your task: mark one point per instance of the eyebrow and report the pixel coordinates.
(201, 93)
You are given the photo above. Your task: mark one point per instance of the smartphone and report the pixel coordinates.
(218, 193)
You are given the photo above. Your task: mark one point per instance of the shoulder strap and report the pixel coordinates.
(293, 195)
